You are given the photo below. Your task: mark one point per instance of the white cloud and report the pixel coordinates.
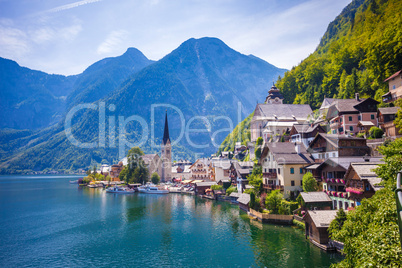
(13, 42)
(111, 43)
(72, 5)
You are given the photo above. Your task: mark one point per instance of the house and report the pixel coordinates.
(283, 167)
(325, 146)
(345, 114)
(115, 171)
(361, 181)
(316, 201)
(201, 187)
(234, 196)
(201, 169)
(181, 172)
(386, 117)
(317, 223)
(325, 105)
(221, 170)
(394, 87)
(238, 175)
(244, 200)
(273, 118)
(305, 133)
(331, 176)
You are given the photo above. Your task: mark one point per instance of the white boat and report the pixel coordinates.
(119, 190)
(74, 182)
(149, 189)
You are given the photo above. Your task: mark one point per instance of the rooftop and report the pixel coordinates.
(393, 76)
(244, 199)
(388, 110)
(315, 197)
(283, 111)
(322, 218)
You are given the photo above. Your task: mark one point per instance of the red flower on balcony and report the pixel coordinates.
(354, 190)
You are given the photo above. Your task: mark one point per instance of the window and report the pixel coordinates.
(292, 183)
(372, 117)
(279, 171)
(350, 118)
(301, 170)
(351, 128)
(393, 87)
(292, 171)
(359, 118)
(301, 182)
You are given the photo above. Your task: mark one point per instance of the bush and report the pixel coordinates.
(287, 207)
(375, 133)
(155, 178)
(259, 141)
(230, 190)
(216, 187)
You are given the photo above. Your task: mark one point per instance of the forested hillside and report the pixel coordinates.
(361, 48)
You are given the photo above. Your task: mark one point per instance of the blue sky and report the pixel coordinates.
(66, 36)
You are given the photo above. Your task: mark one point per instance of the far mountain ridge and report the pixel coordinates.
(202, 77)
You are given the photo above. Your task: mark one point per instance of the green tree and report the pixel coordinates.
(370, 234)
(258, 153)
(273, 201)
(309, 183)
(337, 224)
(155, 178)
(375, 133)
(252, 200)
(230, 190)
(259, 141)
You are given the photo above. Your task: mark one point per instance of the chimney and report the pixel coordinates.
(297, 148)
(357, 96)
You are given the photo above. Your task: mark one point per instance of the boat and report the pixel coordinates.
(149, 189)
(74, 182)
(119, 190)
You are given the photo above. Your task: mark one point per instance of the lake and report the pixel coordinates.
(47, 222)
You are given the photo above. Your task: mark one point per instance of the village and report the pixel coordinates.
(299, 167)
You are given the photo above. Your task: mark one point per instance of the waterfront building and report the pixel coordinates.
(115, 171)
(361, 181)
(166, 154)
(316, 201)
(317, 223)
(283, 167)
(345, 114)
(201, 169)
(244, 200)
(201, 187)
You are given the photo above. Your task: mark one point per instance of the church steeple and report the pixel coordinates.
(166, 131)
(274, 96)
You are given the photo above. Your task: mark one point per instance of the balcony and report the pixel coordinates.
(273, 187)
(270, 175)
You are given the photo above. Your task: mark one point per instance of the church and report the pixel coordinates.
(274, 118)
(166, 154)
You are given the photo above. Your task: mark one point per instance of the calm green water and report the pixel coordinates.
(47, 222)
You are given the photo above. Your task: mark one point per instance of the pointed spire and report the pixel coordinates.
(166, 131)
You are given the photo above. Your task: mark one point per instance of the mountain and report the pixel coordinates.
(104, 76)
(35, 100)
(31, 99)
(200, 84)
(361, 48)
